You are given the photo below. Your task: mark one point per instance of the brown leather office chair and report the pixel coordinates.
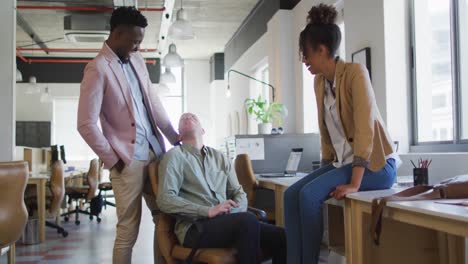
(104, 187)
(249, 183)
(170, 247)
(54, 196)
(83, 193)
(13, 213)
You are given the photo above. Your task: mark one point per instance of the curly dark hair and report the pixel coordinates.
(321, 29)
(322, 15)
(127, 15)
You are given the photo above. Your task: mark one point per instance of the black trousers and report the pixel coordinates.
(244, 232)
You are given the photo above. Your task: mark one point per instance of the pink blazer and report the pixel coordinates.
(105, 95)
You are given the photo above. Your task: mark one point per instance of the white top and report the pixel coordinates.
(343, 150)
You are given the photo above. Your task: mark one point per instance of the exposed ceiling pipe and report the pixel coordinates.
(72, 50)
(63, 60)
(86, 8)
(166, 19)
(21, 56)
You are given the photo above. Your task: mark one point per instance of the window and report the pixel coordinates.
(440, 27)
(173, 101)
(439, 101)
(463, 57)
(261, 73)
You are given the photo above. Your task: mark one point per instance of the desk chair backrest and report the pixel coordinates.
(153, 173)
(165, 225)
(101, 170)
(246, 176)
(93, 179)
(13, 213)
(57, 186)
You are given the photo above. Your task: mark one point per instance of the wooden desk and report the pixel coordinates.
(278, 185)
(412, 231)
(40, 182)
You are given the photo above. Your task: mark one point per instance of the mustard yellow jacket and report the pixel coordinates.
(363, 126)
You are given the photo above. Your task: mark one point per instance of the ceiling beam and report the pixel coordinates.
(84, 8)
(22, 23)
(166, 20)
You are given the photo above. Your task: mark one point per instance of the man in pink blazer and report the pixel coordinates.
(116, 89)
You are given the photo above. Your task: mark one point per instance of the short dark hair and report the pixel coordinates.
(127, 15)
(321, 29)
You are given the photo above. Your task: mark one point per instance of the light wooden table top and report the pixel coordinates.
(429, 207)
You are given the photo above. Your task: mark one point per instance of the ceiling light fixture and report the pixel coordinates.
(33, 88)
(181, 29)
(173, 59)
(167, 76)
(19, 76)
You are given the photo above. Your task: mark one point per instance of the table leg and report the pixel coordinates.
(279, 205)
(11, 253)
(41, 208)
(358, 234)
(456, 249)
(442, 245)
(348, 232)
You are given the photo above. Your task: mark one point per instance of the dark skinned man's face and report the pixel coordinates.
(129, 39)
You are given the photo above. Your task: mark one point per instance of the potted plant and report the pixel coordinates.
(266, 113)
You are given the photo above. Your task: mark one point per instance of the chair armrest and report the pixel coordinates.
(261, 215)
(177, 216)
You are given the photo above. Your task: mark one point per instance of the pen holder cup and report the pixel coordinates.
(420, 176)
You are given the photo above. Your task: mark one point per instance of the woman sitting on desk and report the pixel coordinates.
(357, 152)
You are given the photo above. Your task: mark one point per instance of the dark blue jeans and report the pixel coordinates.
(303, 206)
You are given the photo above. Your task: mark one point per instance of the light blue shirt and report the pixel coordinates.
(144, 130)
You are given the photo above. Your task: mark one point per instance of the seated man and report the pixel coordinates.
(199, 182)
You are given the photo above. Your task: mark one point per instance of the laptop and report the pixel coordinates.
(291, 167)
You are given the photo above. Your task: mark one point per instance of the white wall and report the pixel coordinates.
(7, 79)
(281, 66)
(219, 107)
(364, 22)
(240, 89)
(29, 106)
(198, 94)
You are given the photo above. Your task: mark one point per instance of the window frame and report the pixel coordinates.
(457, 144)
